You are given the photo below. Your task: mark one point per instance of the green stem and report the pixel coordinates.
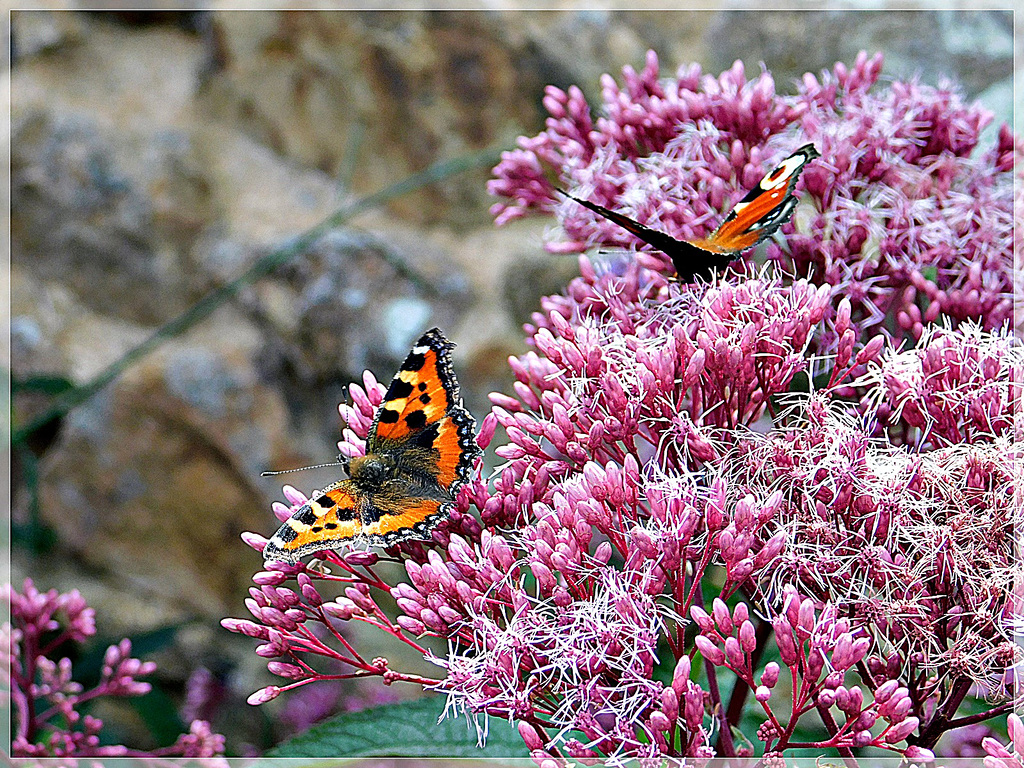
(262, 267)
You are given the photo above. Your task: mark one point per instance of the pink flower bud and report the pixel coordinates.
(815, 664)
(806, 625)
(254, 540)
(709, 650)
(734, 654)
(545, 578)
(843, 315)
(362, 558)
(487, 429)
(670, 704)
(681, 676)
(772, 548)
(770, 675)
(722, 618)
(411, 625)
(865, 720)
(870, 350)
(862, 738)
(785, 640)
(856, 699)
(885, 691)
(268, 578)
(247, 628)
(264, 695)
(843, 700)
(900, 710)
(919, 754)
(702, 619)
(659, 722)
(748, 637)
(530, 736)
(900, 731)
(859, 650)
(282, 669)
(1015, 729)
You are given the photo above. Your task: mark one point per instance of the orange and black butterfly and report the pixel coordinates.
(419, 452)
(762, 211)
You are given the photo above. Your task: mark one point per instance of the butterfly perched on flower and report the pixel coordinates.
(420, 450)
(761, 211)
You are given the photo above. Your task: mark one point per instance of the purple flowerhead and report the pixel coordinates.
(904, 214)
(45, 696)
(694, 474)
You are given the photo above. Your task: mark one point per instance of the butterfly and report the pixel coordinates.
(761, 211)
(420, 450)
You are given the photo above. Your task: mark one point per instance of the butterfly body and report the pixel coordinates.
(753, 219)
(420, 450)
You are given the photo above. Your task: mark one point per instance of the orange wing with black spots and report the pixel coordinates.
(761, 211)
(421, 393)
(420, 451)
(410, 518)
(326, 521)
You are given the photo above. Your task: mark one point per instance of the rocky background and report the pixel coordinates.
(155, 156)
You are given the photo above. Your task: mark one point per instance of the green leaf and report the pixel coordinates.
(33, 534)
(409, 729)
(46, 385)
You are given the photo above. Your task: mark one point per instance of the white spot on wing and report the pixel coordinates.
(788, 168)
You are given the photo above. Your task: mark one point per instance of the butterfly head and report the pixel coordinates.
(371, 470)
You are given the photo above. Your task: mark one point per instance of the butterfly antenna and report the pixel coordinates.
(301, 469)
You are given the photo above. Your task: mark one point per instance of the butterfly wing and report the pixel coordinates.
(690, 261)
(403, 510)
(763, 209)
(341, 514)
(425, 435)
(326, 521)
(422, 418)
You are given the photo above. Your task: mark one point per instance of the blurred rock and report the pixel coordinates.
(975, 48)
(187, 21)
(373, 96)
(154, 478)
(353, 302)
(119, 243)
(535, 276)
(43, 29)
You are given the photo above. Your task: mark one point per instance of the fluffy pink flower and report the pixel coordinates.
(758, 439)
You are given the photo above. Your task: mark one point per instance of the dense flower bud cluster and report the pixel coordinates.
(659, 451)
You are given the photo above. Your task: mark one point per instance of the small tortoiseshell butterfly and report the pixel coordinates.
(762, 211)
(419, 452)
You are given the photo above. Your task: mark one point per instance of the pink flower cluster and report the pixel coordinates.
(953, 388)
(692, 485)
(45, 697)
(633, 478)
(905, 215)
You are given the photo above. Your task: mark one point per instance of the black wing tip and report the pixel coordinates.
(435, 339)
(807, 151)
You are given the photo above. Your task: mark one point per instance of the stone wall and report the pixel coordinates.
(157, 156)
